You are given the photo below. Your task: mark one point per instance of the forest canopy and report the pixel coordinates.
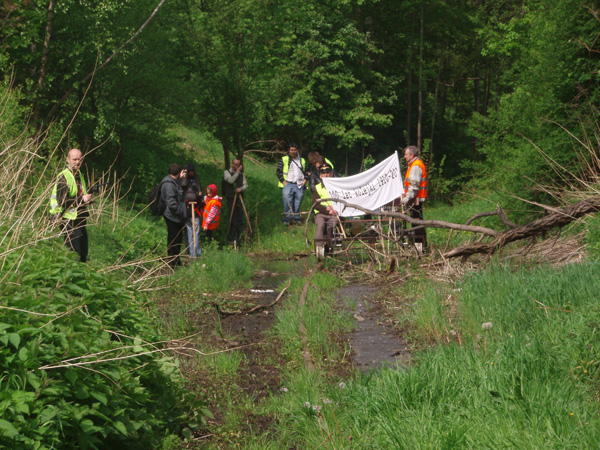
(490, 92)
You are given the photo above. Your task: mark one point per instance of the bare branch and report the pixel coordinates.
(560, 218)
(424, 223)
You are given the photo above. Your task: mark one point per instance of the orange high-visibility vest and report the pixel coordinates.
(209, 204)
(422, 193)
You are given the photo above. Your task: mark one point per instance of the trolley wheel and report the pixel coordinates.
(320, 252)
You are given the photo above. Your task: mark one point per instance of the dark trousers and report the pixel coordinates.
(174, 237)
(416, 212)
(324, 227)
(76, 237)
(235, 219)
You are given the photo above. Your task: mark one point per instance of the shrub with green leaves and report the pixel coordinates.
(78, 361)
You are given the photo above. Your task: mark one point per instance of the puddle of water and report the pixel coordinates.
(373, 344)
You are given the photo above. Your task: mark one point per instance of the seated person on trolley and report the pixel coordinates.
(326, 217)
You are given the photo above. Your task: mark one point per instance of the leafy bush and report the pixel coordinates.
(78, 367)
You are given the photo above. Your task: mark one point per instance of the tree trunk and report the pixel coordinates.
(476, 90)
(420, 118)
(408, 106)
(44, 65)
(557, 219)
(435, 101)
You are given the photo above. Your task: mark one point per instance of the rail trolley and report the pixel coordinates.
(373, 237)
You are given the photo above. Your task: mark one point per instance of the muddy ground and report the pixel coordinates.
(374, 342)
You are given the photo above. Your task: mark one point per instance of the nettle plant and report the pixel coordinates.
(81, 365)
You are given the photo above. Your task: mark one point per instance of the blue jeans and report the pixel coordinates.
(189, 231)
(292, 199)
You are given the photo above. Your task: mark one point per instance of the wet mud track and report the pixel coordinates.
(374, 343)
(259, 372)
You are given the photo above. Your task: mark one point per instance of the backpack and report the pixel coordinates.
(193, 193)
(155, 202)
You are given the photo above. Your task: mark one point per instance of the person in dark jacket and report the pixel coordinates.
(193, 194)
(175, 212)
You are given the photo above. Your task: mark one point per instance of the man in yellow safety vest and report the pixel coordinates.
(291, 172)
(326, 217)
(68, 202)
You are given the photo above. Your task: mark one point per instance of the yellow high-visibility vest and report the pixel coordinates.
(286, 168)
(55, 208)
(323, 194)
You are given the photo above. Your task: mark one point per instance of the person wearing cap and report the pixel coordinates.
(291, 173)
(212, 211)
(68, 203)
(415, 192)
(326, 217)
(317, 160)
(175, 212)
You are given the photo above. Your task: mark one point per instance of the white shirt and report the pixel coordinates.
(295, 174)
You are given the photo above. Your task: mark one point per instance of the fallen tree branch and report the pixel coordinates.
(424, 223)
(258, 307)
(559, 219)
(499, 212)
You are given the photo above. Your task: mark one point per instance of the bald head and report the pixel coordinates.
(74, 159)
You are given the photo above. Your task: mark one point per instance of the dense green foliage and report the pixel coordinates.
(82, 365)
(476, 85)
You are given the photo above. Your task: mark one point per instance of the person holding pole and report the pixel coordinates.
(175, 214)
(193, 199)
(233, 186)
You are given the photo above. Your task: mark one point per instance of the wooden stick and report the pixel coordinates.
(231, 212)
(246, 214)
(258, 307)
(193, 205)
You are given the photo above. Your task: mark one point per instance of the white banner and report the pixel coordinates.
(371, 189)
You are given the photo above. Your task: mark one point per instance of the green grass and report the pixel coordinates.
(528, 382)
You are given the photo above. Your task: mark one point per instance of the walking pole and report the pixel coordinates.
(247, 217)
(193, 205)
(231, 212)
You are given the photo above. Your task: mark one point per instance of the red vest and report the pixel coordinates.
(422, 193)
(209, 204)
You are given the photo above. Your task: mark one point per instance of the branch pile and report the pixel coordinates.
(558, 218)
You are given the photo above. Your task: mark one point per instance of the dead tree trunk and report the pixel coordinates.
(555, 220)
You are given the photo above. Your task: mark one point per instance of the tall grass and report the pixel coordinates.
(83, 364)
(528, 381)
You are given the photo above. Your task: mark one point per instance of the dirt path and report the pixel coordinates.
(374, 342)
